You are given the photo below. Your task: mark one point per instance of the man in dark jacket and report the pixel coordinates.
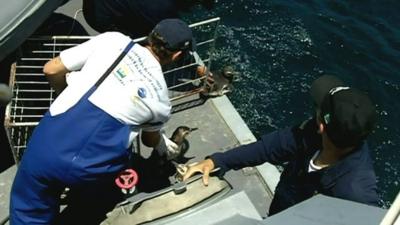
(327, 154)
(134, 17)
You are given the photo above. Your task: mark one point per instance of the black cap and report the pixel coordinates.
(322, 85)
(176, 33)
(348, 113)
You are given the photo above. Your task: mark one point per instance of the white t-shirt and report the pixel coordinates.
(135, 93)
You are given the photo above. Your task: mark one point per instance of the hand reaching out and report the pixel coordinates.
(204, 167)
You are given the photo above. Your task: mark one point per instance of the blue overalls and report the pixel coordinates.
(83, 148)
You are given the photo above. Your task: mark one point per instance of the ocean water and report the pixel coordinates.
(281, 46)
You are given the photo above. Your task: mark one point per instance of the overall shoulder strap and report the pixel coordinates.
(114, 64)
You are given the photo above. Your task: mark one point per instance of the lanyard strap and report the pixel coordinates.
(111, 68)
(115, 63)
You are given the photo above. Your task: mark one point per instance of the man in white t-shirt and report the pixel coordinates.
(109, 90)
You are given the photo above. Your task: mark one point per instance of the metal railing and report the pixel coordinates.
(392, 216)
(33, 95)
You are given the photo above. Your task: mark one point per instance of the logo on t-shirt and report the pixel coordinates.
(121, 73)
(142, 92)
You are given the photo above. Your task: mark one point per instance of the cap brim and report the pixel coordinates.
(321, 87)
(187, 53)
(193, 45)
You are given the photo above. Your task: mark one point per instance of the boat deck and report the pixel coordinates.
(221, 128)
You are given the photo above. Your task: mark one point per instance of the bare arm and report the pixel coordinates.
(55, 72)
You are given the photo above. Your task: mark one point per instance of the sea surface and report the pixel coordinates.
(281, 46)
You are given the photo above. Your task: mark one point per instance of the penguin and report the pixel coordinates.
(156, 171)
(179, 138)
(222, 82)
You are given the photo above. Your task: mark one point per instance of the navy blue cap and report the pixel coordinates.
(176, 33)
(348, 113)
(321, 87)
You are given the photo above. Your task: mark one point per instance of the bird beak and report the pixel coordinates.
(193, 129)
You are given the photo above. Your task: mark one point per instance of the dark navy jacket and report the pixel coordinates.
(352, 178)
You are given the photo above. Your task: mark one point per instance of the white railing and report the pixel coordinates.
(392, 216)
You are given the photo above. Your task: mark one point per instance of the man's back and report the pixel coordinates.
(137, 81)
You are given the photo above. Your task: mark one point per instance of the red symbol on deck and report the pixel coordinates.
(127, 179)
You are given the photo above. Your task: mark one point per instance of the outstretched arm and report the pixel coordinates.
(237, 158)
(276, 147)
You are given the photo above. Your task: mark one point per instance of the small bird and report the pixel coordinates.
(222, 82)
(157, 170)
(179, 138)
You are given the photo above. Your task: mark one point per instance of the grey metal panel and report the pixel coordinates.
(324, 210)
(73, 10)
(222, 212)
(6, 179)
(13, 12)
(268, 172)
(238, 220)
(19, 19)
(233, 119)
